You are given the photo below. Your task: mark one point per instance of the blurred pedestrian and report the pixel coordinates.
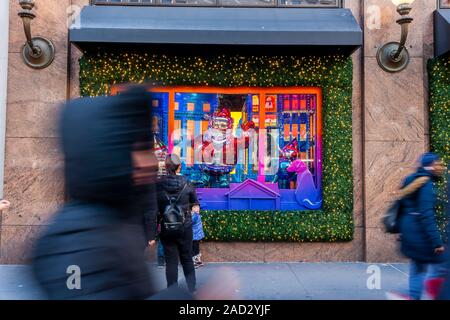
(421, 240)
(197, 229)
(176, 198)
(93, 248)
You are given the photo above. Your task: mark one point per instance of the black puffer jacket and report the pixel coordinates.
(101, 230)
(172, 185)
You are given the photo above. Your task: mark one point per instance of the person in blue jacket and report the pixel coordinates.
(421, 240)
(197, 228)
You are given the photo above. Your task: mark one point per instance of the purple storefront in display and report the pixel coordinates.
(254, 195)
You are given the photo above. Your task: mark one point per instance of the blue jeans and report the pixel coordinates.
(160, 250)
(419, 272)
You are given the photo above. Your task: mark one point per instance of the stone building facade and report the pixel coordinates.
(390, 131)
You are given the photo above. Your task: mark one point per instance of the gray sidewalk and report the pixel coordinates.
(271, 281)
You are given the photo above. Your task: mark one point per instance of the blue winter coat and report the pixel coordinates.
(197, 227)
(419, 231)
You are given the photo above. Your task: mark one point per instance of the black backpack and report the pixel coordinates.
(391, 219)
(173, 217)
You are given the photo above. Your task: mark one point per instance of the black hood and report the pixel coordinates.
(173, 183)
(98, 136)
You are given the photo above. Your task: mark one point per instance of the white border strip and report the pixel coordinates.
(4, 40)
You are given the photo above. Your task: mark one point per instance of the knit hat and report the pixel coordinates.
(427, 159)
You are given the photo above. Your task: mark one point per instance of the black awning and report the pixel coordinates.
(216, 26)
(441, 32)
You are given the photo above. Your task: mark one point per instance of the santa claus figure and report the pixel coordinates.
(220, 147)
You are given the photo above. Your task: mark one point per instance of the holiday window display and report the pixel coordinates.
(101, 71)
(242, 147)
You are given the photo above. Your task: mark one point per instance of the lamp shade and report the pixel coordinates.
(399, 2)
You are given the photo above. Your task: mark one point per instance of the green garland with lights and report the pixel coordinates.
(98, 71)
(439, 78)
(299, 226)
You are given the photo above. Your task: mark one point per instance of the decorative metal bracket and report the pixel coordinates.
(393, 56)
(37, 52)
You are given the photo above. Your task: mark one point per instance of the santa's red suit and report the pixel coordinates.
(220, 147)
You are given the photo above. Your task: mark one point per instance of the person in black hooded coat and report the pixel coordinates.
(111, 214)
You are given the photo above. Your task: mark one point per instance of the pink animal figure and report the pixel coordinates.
(297, 166)
(306, 193)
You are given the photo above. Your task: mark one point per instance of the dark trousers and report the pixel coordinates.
(195, 248)
(179, 248)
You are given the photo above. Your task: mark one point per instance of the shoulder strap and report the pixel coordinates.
(181, 192)
(413, 186)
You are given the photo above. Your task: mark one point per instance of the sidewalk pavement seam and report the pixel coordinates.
(308, 294)
(404, 273)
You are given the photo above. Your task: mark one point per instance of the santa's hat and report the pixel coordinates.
(222, 112)
(290, 151)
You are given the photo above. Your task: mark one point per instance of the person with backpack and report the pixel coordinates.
(420, 239)
(176, 199)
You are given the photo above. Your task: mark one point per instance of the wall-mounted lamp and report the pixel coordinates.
(393, 56)
(37, 52)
